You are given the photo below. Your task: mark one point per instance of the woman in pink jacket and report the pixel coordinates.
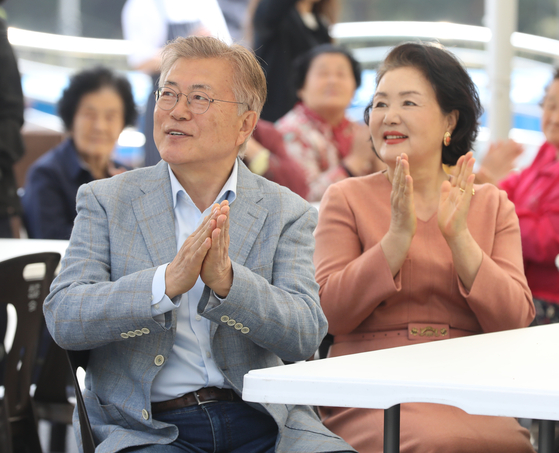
(535, 193)
(410, 255)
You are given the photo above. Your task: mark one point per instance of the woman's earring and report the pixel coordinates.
(446, 138)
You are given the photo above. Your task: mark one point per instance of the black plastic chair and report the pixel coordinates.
(26, 293)
(79, 359)
(51, 397)
(5, 431)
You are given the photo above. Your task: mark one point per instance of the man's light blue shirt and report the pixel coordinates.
(190, 366)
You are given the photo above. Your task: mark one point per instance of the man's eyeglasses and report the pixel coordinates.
(198, 101)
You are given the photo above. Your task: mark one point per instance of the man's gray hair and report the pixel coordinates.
(249, 82)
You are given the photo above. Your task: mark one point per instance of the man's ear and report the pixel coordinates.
(248, 123)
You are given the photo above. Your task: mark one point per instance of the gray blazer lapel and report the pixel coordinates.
(155, 216)
(246, 220)
(247, 216)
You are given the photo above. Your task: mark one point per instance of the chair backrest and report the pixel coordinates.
(5, 430)
(79, 359)
(54, 375)
(26, 291)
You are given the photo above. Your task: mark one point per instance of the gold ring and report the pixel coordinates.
(473, 191)
(462, 190)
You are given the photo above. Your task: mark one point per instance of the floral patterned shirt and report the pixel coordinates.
(317, 146)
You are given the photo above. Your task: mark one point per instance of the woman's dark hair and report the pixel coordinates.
(302, 64)
(91, 80)
(453, 88)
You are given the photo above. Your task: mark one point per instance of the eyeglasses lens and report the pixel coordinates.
(198, 102)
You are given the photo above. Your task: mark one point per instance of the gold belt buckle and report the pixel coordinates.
(426, 331)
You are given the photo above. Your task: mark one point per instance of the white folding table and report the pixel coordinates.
(12, 248)
(513, 373)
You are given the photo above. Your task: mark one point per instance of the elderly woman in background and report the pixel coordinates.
(266, 156)
(411, 255)
(316, 131)
(281, 31)
(535, 193)
(95, 108)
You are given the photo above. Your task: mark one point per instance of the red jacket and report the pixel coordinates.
(535, 193)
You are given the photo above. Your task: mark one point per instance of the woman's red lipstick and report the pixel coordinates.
(394, 137)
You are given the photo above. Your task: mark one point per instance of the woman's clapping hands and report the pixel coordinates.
(452, 214)
(456, 195)
(404, 220)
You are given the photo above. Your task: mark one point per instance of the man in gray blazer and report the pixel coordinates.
(181, 278)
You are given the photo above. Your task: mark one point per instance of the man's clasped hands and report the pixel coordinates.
(203, 254)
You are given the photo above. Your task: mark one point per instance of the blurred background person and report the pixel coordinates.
(499, 161)
(265, 155)
(11, 149)
(11, 120)
(535, 193)
(409, 255)
(316, 132)
(235, 14)
(149, 25)
(280, 31)
(95, 108)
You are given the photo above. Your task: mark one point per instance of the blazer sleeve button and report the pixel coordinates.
(231, 322)
(124, 335)
(159, 360)
(145, 330)
(224, 318)
(245, 330)
(145, 414)
(131, 334)
(238, 326)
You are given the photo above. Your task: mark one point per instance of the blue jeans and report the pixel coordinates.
(220, 427)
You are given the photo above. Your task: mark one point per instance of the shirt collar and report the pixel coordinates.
(73, 162)
(227, 192)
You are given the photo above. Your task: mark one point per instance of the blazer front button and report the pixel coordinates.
(131, 334)
(231, 322)
(145, 414)
(159, 360)
(238, 326)
(245, 330)
(224, 318)
(145, 330)
(124, 335)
